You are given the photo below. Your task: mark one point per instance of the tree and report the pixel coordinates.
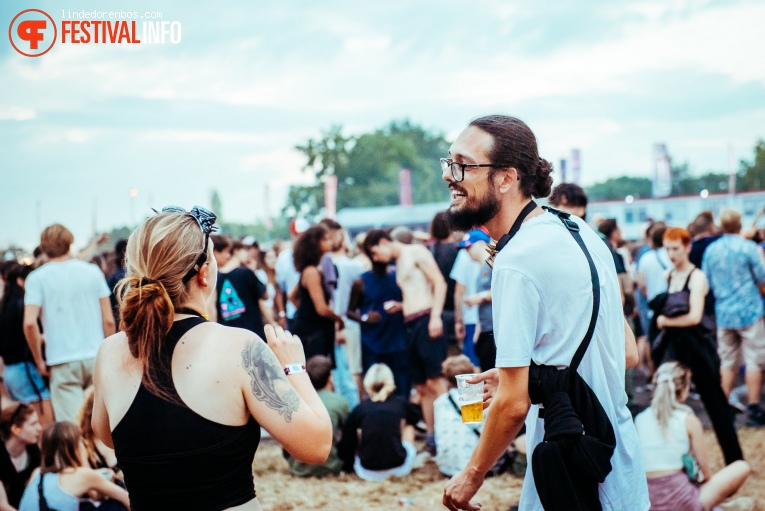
(215, 204)
(754, 173)
(620, 187)
(367, 168)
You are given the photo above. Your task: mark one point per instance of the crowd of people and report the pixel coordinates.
(157, 367)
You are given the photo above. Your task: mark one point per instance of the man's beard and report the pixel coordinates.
(468, 217)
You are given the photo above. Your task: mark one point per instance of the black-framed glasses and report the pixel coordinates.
(206, 221)
(458, 169)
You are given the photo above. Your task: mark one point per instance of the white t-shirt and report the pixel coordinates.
(542, 302)
(465, 271)
(287, 277)
(270, 289)
(69, 294)
(653, 264)
(348, 270)
(662, 450)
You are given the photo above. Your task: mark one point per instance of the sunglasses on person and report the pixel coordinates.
(206, 221)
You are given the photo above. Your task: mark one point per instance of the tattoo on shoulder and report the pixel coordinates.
(264, 375)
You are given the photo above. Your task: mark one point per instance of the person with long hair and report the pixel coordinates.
(21, 378)
(686, 339)
(378, 441)
(266, 272)
(64, 479)
(99, 454)
(315, 322)
(20, 432)
(669, 430)
(182, 399)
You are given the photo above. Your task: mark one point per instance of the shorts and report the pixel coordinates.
(425, 354)
(353, 346)
(381, 475)
(673, 492)
(24, 383)
(732, 343)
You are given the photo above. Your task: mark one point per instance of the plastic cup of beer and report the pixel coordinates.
(470, 399)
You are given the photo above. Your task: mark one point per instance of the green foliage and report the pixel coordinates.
(216, 205)
(620, 187)
(754, 173)
(367, 168)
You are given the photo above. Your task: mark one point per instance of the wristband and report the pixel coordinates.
(294, 369)
(364, 318)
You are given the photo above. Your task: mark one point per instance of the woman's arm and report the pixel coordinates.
(95, 482)
(698, 288)
(288, 407)
(100, 419)
(696, 437)
(4, 504)
(311, 280)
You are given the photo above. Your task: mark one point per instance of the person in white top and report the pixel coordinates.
(652, 265)
(465, 273)
(669, 430)
(541, 291)
(287, 277)
(71, 298)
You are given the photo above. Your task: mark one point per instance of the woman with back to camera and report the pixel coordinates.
(182, 399)
(314, 319)
(668, 430)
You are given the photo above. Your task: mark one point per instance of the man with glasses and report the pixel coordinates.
(543, 297)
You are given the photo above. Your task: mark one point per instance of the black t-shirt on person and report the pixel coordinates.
(239, 294)
(380, 424)
(15, 482)
(13, 345)
(445, 254)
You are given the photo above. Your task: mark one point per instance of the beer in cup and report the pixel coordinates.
(470, 399)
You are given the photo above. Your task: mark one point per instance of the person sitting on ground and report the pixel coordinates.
(320, 372)
(64, 479)
(20, 431)
(99, 454)
(456, 440)
(383, 428)
(668, 430)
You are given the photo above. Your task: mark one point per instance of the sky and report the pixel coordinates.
(224, 108)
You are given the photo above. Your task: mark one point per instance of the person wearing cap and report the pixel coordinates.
(286, 275)
(465, 273)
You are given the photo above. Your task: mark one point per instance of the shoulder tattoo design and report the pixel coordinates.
(264, 375)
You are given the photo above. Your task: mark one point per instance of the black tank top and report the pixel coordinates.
(173, 458)
(315, 331)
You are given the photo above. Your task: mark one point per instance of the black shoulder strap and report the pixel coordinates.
(531, 206)
(573, 229)
(688, 280)
(42, 502)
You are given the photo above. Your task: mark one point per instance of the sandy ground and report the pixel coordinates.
(279, 491)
